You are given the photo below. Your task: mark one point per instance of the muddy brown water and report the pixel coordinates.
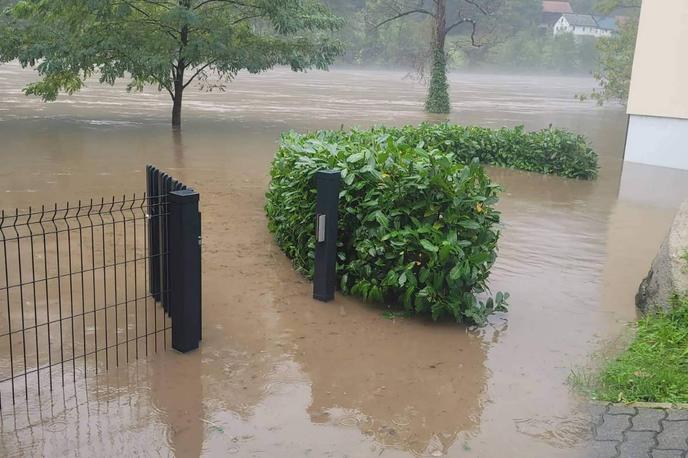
(279, 374)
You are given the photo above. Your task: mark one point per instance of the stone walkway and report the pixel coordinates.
(628, 432)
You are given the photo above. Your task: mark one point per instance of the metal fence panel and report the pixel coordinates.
(81, 285)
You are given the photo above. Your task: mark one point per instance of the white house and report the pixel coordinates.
(584, 25)
(658, 99)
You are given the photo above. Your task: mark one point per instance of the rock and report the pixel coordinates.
(669, 272)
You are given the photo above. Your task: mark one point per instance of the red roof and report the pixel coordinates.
(556, 7)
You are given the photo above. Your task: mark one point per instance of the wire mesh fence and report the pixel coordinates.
(81, 288)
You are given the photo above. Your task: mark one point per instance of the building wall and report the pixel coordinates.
(659, 86)
(658, 99)
(657, 141)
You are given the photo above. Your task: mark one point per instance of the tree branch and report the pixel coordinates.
(170, 92)
(481, 8)
(198, 72)
(149, 19)
(232, 2)
(458, 23)
(473, 42)
(246, 18)
(406, 13)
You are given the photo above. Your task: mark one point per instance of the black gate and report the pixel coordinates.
(97, 284)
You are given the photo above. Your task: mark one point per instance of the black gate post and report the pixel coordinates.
(325, 275)
(184, 265)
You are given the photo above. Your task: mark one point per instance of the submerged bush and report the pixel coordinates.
(417, 227)
(551, 151)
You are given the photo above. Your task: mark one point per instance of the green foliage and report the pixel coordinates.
(538, 49)
(167, 43)
(616, 53)
(438, 92)
(446, 16)
(417, 228)
(654, 368)
(550, 151)
(400, 43)
(515, 39)
(616, 64)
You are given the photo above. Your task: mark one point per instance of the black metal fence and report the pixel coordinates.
(81, 285)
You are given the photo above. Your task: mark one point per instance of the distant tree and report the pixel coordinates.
(167, 43)
(446, 16)
(616, 53)
(629, 7)
(616, 64)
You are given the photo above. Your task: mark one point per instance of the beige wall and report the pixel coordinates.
(659, 86)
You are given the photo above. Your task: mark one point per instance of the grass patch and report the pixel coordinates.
(654, 368)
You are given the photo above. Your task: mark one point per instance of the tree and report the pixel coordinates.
(616, 64)
(616, 53)
(167, 43)
(446, 16)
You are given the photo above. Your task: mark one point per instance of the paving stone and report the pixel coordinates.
(596, 411)
(637, 444)
(667, 454)
(620, 409)
(674, 436)
(602, 449)
(677, 414)
(612, 427)
(648, 420)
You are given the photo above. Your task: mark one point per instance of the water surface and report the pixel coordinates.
(279, 374)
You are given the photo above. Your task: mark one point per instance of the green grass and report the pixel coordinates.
(654, 368)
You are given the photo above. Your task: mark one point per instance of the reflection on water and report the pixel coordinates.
(415, 394)
(279, 374)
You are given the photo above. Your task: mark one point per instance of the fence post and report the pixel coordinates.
(325, 275)
(166, 188)
(154, 202)
(184, 265)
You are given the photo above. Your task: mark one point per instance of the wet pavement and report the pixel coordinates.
(628, 432)
(279, 374)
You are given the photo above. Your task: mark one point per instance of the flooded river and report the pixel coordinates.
(279, 374)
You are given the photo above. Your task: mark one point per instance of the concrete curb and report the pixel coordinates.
(645, 405)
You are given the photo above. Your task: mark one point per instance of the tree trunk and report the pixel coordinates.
(438, 92)
(178, 94)
(179, 74)
(177, 107)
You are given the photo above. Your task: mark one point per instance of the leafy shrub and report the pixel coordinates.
(550, 151)
(417, 228)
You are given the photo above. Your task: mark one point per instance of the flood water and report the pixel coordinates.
(279, 374)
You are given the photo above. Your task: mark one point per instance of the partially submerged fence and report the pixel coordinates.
(92, 285)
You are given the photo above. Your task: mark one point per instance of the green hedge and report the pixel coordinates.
(417, 227)
(550, 151)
